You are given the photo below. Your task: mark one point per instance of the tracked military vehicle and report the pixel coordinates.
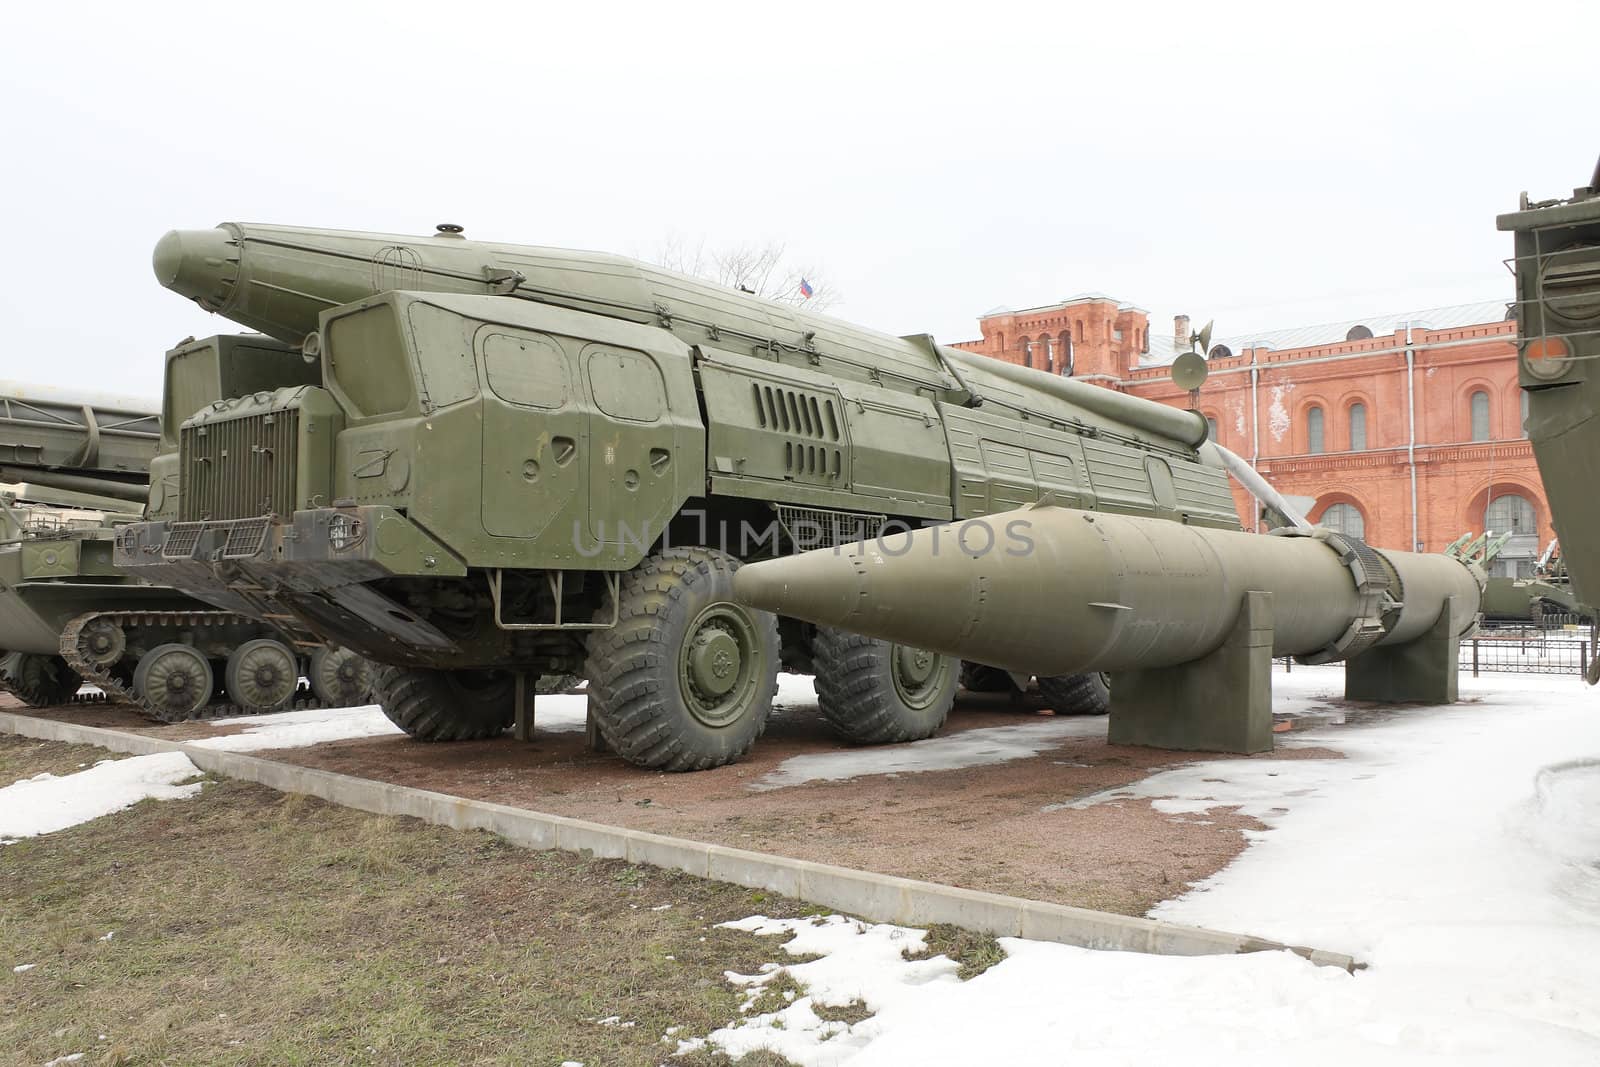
(71, 464)
(529, 461)
(69, 616)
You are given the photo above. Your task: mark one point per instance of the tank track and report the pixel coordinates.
(118, 691)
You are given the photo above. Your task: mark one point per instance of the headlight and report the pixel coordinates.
(343, 532)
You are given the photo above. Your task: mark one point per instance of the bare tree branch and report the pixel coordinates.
(754, 268)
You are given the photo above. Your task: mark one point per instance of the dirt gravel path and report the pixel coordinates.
(980, 826)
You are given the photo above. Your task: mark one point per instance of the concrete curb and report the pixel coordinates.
(879, 897)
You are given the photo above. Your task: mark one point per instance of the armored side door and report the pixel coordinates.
(635, 448)
(535, 433)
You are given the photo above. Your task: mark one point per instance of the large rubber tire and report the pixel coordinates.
(175, 678)
(433, 705)
(685, 680)
(1077, 694)
(262, 676)
(876, 693)
(339, 677)
(981, 678)
(39, 680)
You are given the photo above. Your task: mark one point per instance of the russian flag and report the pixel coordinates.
(805, 289)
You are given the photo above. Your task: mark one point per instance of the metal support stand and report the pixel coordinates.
(1424, 671)
(1221, 702)
(591, 729)
(525, 696)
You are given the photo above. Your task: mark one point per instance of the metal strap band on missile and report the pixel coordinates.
(1373, 581)
(878, 897)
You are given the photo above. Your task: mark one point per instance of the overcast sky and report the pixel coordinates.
(1273, 165)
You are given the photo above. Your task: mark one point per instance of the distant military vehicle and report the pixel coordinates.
(531, 461)
(1557, 260)
(68, 615)
(70, 463)
(1544, 594)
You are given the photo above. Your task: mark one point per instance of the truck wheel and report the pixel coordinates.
(876, 693)
(1077, 694)
(262, 675)
(174, 679)
(38, 680)
(339, 678)
(981, 678)
(685, 679)
(433, 705)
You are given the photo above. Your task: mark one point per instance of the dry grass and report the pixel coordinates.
(975, 953)
(256, 928)
(23, 757)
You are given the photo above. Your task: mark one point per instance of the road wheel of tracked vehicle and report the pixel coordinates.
(876, 693)
(1077, 694)
(685, 679)
(340, 678)
(102, 642)
(175, 680)
(981, 678)
(262, 675)
(39, 680)
(433, 705)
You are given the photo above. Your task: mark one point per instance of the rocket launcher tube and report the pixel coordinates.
(1177, 423)
(1053, 591)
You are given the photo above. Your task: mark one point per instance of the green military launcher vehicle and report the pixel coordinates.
(524, 462)
(72, 464)
(69, 616)
(1557, 266)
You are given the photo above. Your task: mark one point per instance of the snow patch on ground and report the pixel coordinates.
(563, 713)
(1456, 851)
(297, 729)
(970, 748)
(46, 803)
(860, 962)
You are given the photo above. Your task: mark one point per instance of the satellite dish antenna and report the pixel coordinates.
(1189, 371)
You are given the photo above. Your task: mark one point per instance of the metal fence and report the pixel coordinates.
(1529, 652)
(1542, 652)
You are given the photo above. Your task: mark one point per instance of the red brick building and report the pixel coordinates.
(1405, 429)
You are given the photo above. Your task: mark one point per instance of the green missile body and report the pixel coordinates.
(1053, 591)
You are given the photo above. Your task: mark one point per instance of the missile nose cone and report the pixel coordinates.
(199, 264)
(819, 587)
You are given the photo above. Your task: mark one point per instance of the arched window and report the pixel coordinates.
(1080, 331)
(1358, 427)
(1027, 353)
(1480, 416)
(1211, 421)
(1509, 513)
(1346, 519)
(1524, 393)
(1064, 353)
(1314, 429)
